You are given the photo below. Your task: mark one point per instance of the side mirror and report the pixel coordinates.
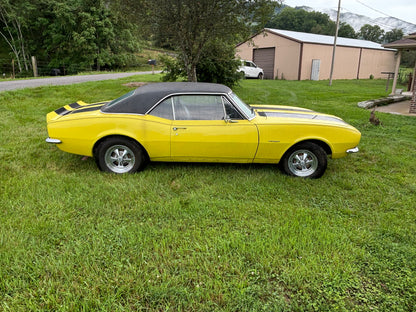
(227, 119)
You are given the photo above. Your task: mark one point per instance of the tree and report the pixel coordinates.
(393, 35)
(190, 26)
(74, 34)
(310, 22)
(217, 65)
(86, 34)
(12, 23)
(345, 30)
(408, 58)
(371, 33)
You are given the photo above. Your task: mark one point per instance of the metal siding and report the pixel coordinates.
(264, 58)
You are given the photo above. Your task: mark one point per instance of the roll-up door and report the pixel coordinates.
(264, 58)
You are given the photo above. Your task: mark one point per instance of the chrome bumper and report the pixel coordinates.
(53, 141)
(353, 150)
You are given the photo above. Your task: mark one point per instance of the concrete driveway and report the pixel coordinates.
(399, 108)
(63, 80)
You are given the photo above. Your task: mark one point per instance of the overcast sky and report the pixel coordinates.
(402, 9)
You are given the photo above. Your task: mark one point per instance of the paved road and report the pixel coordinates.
(65, 80)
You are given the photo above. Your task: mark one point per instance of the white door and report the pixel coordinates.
(316, 65)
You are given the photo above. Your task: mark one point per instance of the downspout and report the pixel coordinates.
(300, 61)
(359, 64)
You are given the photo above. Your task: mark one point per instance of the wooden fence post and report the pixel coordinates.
(13, 69)
(35, 67)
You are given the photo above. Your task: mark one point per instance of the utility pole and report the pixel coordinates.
(335, 44)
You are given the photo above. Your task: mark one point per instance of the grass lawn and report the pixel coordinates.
(207, 237)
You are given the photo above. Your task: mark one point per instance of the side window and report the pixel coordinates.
(230, 111)
(198, 107)
(163, 110)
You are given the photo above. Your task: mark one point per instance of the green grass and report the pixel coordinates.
(207, 237)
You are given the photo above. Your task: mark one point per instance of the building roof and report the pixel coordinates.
(406, 43)
(326, 40)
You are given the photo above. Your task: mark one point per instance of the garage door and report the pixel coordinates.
(264, 58)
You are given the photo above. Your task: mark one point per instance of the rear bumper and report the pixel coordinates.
(53, 141)
(352, 150)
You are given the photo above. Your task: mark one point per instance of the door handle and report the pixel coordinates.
(177, 128)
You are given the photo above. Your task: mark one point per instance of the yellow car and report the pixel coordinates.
(199, 122)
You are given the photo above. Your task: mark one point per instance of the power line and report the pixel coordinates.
(372, 20)
(378, 11)
(366, 5)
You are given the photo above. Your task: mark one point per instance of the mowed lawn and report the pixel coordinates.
(207, 237)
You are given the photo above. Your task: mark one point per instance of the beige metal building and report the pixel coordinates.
(294, 55)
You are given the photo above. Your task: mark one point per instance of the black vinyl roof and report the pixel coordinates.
(145, 97)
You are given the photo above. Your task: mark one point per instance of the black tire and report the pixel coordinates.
(305, 160)
(260, 76)
(120, 155)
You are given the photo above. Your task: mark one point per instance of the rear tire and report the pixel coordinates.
(305, 160)
(120, 155)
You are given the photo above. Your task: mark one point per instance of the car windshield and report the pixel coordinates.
(247, 109)
(121, 98)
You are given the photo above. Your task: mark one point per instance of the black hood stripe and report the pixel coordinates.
(303, 116)
(78, 108)
(87, 109)
(62, 111)
(74, 105)
(281, 109)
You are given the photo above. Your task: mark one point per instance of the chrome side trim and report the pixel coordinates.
(352, 150)
(53, 141)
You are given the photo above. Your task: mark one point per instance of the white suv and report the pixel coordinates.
(250, 70)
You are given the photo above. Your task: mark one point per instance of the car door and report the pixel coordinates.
(158, 131)
(252, 71)
(207, 128)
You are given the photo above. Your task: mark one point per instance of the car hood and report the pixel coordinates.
(73, 109)
(296, 114)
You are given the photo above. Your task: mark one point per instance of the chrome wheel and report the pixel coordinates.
(302, 163)
(305, 160)
(119, 158)
(119, 154)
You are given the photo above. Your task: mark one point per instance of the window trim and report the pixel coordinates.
(227, 96)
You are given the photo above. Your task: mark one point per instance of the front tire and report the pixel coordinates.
(120, 155)
(260, 76)
(305, 160)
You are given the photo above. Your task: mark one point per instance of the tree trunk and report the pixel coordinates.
(192, 73)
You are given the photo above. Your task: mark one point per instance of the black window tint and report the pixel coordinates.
(163, 110)
(230, 110)
(198, 107)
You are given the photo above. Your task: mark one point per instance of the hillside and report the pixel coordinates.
(357, 21)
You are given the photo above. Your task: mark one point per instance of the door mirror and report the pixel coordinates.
(228, 119)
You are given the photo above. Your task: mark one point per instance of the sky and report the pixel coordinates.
(402, 9)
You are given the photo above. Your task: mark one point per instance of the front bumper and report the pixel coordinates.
(352, 150)
(53, 141)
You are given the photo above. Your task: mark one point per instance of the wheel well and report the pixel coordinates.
(322, 144)
(94, 150)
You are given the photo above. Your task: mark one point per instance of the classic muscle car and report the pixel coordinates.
(199, 122)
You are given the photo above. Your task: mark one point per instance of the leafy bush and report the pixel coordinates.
(217, 65)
